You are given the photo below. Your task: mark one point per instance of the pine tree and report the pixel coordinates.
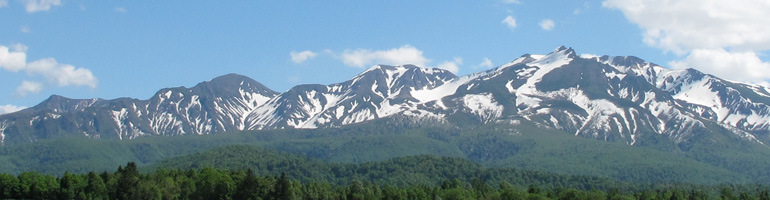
(247, 189)
(71, 186)
(283, 188)
(128, 184)
(95, 189)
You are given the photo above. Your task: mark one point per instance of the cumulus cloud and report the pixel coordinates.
(28, 87)
(12, 60)
(744, 66)
(398, 56)
(3, 3)
(588, 56)
(8, 108)
(510, 22)
(681, 26)
(300, 57)
(403, 55)
(717, 37)
(485, 63)
(62, 74)
(547, 24)
(452, 66)
(40, 5)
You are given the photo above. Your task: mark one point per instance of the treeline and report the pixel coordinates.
(402, 171)
(533, 149)
(208, 183)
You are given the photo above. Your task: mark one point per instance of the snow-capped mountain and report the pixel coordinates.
(610, 98)
(219, 105)
(378, 92)
(729, 103)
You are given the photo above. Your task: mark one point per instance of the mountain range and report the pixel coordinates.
(612, 98)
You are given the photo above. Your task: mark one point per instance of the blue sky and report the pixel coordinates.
(111, 49)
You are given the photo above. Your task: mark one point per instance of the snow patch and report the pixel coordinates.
(509, 86)
(484, 106)
(427, 95)
(3, 126)
(387, 109)
(699, 93)
(613, 75)
(527, 93)
(339, 112)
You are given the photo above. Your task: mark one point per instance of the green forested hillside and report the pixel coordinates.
(278, 175)
(401, 171)
(524, 146)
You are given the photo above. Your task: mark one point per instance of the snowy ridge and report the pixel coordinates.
(734, 105)
(434, 94)
(599, 118)
(529, 96)
(623, 99)
(210, 107)
(378, 92)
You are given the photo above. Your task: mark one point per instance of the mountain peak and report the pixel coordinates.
(390, 70)
(565, 51)
(231, 77)
(390, 67)
(55, 97)
(231, 82)
(57, 103)
(614, 98)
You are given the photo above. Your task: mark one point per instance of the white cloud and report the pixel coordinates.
(120, 9)
(403, 55)
(62, 74)
(744, 66)
(452, 66)
(512, 1)
(486, 63)
(27, 87)
(547, 24)
(54, 72)
(24, 29)
(40, 5)
(718, 37)
(12, 60)
(398, 56)
(588, 56)
(509, 21)
(300, 57)
(8, 108)
(3, 3)
(685, 25)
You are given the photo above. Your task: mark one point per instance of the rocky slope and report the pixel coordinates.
(622, 99)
